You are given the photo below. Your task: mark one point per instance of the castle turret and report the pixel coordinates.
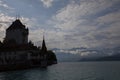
(44, 54)
(16, 33)
(44, 48)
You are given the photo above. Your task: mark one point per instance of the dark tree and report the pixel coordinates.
(51, 57)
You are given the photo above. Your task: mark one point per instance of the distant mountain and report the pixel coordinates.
(88, 54)
(110, 58)
(67, 57)
(105, 58)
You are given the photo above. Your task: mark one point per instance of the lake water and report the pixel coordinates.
(68, 71)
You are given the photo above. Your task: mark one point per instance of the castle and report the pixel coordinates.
(17, 53)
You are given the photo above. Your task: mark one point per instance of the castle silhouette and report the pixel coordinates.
(17, 53)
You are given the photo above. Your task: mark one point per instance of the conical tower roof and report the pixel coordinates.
(44, 48)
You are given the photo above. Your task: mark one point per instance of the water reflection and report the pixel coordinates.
(68, 71)
(32, 74)
(12, 75)
(37, 74)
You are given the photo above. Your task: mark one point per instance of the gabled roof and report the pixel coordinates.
(17, 24)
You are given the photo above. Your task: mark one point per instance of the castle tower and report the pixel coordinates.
(44, 54)
(16, 33)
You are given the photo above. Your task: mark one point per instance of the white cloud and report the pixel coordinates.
(107, 37)
(4, 22)
(73, 14)
(4, 5)
(47, 3)
(76, 20)
(109, 18)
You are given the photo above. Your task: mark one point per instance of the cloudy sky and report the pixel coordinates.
(66, 23)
